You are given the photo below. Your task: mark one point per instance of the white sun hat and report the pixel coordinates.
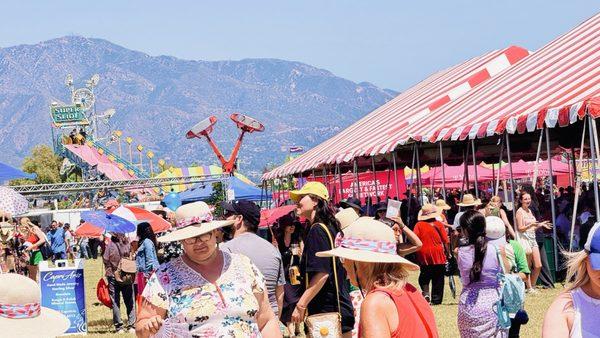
(193, 219)
(368, 240)
(21, 313)
(346, 217)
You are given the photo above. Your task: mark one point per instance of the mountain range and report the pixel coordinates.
(159, 98)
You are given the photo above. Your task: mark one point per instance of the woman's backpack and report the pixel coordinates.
(126, 270)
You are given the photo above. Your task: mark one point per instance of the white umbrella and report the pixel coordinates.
(127, 214)
(12, 202)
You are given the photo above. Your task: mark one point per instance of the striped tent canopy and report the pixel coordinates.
(555, 86)
(380, 131)
(204, 170)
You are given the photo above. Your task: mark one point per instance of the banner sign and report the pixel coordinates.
(71, 115)
(63, 290)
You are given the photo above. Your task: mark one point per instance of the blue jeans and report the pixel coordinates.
(84, 251)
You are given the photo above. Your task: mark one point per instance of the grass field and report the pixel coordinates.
(100, 317)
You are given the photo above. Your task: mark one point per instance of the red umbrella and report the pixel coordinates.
(157, 223)
(88, 230)
(270, 216)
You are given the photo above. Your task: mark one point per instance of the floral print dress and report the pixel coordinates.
(227, 308)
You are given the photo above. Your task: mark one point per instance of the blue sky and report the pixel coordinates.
(392, 44)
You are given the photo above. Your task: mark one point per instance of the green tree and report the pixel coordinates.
(216, 197)
(44, 163)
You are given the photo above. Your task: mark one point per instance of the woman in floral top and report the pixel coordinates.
(208, 292)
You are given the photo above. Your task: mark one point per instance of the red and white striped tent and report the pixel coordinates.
(380, 131)
(557, 85)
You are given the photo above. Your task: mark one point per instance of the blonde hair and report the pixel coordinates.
(576, 269)
(384, 275)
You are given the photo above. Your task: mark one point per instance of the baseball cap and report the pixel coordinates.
(592, 246)
(249, 210)
(311, 188)
(495, 230)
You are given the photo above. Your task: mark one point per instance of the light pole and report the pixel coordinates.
(118, 134)
(129, 140)
(150, 155)
(139, 149)
(161, 164)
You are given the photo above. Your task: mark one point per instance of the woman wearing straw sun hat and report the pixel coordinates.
(392, 307)
(325, 291)
(433, 253)
(205, 292)
(21, 313)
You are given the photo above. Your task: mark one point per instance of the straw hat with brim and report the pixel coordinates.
(346, 217)
(311, 188)
(368, 240)
(22, 315)
(428, 211)
(26, 221)
(193, 219)
(469, 200)
(442, 205)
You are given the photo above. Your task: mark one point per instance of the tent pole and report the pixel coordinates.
(412, 174)
(552, 198)
(475, 168)
(419, 186)
(594, 156)
(357, 185)
(374, 176)
(512, 182)
(325, 181)
(537, 160)
(395, 175)
(499, 165)
(443, 171)
(339, 170)
(574, 164)
(577, 187)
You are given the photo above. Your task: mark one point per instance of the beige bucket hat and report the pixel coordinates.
(368, 240)
(346, 217)
(469, 200)
(21, 314)
(428, 211)
(193, 219)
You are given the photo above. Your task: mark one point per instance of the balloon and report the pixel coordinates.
(172, 201)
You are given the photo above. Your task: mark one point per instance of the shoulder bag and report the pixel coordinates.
(126, 270)
(511, 295)
(328, 324)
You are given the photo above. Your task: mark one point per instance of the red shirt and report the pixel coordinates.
(415, 317)
(432, 252)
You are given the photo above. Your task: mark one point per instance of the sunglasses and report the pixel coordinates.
(204, 238)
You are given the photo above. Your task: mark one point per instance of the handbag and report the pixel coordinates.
(328, 324)
(126, 270)
(103, 294)
(511, 293)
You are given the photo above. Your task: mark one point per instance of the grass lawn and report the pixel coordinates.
(100, 317)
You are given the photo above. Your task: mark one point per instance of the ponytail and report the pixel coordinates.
(474, 223)
(480, 245)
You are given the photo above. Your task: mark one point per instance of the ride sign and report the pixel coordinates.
(71, 115)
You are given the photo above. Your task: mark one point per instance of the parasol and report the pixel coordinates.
(108, 222)
(135, 215)
(270, 216)
(12, 202)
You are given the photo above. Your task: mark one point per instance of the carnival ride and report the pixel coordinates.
(245, 124)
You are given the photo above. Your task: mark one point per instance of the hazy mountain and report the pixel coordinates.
(158, 99)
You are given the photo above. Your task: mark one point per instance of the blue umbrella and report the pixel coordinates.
(108, 222)
(9, 173)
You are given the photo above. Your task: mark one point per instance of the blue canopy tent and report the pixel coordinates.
(242, 190)
(9, 173)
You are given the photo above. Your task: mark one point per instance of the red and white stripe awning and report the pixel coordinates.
(556, 85)
(379, 131)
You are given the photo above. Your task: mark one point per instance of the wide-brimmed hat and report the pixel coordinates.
(469, 200)
(317, 189)
(428, 211)
(26, 221)
(21, 313)
(346, 217)
(350, 202)
(193, 219)
(368, 240)
(441, 204)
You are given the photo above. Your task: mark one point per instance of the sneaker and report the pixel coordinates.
(131, 330)
(427, 298)
(532, 291)
(120, 330)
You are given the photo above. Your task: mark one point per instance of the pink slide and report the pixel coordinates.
(104, 165)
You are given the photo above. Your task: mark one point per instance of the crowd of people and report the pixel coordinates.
(334, 270)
